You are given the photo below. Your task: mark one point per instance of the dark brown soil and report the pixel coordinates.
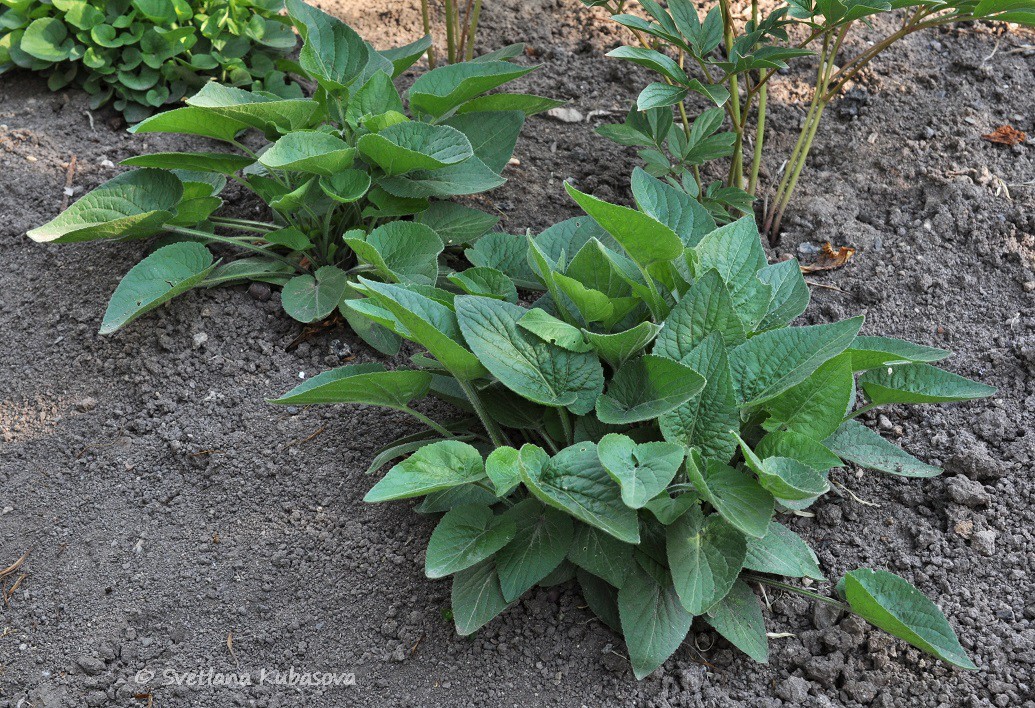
(177, 523)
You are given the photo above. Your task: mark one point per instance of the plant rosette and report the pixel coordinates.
(646, 427)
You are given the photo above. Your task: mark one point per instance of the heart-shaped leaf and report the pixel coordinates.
(410, 146)
(309, 151)
(432, 468)
(541, 542)
(647, 387)
(705, 555)
(642, 470)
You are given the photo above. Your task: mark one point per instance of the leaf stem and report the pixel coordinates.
(800, 591)
(498, 438)
(569, 431)
(184, 231)
(438, 428)
(425, 14)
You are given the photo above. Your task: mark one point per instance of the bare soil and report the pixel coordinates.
(177, 523)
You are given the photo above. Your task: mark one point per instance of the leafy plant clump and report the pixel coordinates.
(642, 427)
(353, 185)
(731, 64)
(144, 54)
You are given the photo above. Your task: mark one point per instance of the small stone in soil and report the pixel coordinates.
(259, 291)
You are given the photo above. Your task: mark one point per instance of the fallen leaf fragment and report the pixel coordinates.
(1006, 135)
(829, 259)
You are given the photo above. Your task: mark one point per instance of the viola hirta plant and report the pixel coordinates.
(731, 65)
(353, 185)
(642, 428)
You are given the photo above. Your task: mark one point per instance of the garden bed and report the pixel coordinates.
(177, 522)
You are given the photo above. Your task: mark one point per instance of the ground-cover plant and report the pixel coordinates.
(732, 64)
(353, 185)
(144, 54)
(642, 427)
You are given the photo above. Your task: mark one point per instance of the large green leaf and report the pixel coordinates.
(476, 597)
(368, 384)
(258, 110)
(705, 555)
(471, 176)
(734, 494)
(529, 366)
(705, 308)
(133, 205)
(706, 419)
(574, 481)
(738, 618)
(166, 273)
(404, 57)
(856, 443)
(400, 251)
(47, 39)
(347, 186)
(440, 90)
(801, 447)
(619, 347)
(409, 146)
(646, 240)
(735, 251)
(782, 552)
(430, 324)
(891, 603)
(309, 151)
(189, 120)
(647, 387)
(772, 362)
(432, 468)
(653, 620)
(817, 405)
(493, 135)
(309, 298)
(466, 535)
(790, 294)
(672, 207)
(225, 163)
(541, 542)
(785, 477)
(601, 554)
(879, 352)
(919, 383)
(642, 470)
(455, 223)
(333, 53)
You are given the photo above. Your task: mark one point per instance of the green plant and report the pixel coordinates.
(731, 66)
(461, 28)
(145, 54)
(652, 478)
(352, 185)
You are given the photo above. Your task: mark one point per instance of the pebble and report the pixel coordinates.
(86, 404)
(199, 339)
(794, 690)
(260, 291)
(90, 665)
(967, 492)
(984, 542)
(808, 249)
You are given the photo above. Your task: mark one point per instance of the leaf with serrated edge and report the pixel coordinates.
(541, 542)
(432, 468)
(653, 621)
(705, 555)
(738, 618)
(466, 535)
(782, 552)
